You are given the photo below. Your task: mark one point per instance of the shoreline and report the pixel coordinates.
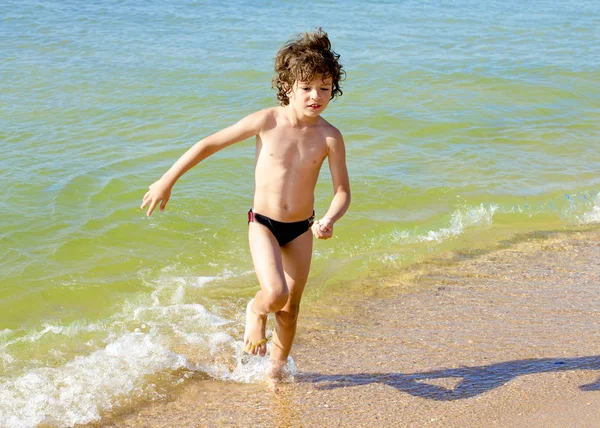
(506, 337)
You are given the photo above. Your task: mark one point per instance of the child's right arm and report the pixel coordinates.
(160, 191)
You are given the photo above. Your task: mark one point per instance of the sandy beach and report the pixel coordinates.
(506, 337)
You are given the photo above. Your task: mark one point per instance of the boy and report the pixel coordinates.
(292, 141)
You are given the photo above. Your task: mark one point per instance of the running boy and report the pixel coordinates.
(292, 141)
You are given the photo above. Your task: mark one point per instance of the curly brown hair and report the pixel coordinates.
(302, 59)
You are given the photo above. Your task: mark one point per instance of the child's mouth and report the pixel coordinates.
(314, 106)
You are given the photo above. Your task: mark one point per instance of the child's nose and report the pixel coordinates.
(314, 94)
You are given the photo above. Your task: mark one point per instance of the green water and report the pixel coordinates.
(465, 123)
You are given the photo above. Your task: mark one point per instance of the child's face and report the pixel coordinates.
(311, 98)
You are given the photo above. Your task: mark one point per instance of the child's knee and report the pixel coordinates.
(276, 299)
(289, 316)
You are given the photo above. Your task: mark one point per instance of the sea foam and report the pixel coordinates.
(146, 343)
(591, 216)
(461, 220)
(77, 392)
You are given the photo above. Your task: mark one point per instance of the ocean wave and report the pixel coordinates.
(461, 220)
(79, 391)
(592, 215)
(143, 348)
(51, 329)
(168, 344)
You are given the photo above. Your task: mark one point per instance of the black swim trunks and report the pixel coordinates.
(283, 232)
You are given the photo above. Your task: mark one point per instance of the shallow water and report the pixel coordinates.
(466, 123)
(485, 338)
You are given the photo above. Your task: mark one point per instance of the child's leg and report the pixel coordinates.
(296, 257)
(273, 293)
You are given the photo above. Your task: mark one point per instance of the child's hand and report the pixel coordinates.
(323, 229)
(159, 192)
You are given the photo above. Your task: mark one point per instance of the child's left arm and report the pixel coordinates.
(323, 228)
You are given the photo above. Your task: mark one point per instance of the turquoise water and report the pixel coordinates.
(465, 123)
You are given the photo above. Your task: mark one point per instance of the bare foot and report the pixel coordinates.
(254, 336)
(276, 374)
(277, 369)
(273, 385)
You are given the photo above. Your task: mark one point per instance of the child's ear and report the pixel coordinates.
(290, 93)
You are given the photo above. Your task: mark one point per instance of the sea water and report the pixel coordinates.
(466, 123)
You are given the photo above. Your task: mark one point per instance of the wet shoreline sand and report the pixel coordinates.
(504, 338)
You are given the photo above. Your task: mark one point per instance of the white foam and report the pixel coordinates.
(6, 359)
(249, 369)
(162, 325)
(461, 220)
(590, 217)
(593, 215)
(172, 288)
(196, 281)
(218, 341)
(189, 312)
(399, 236)
(390, 258)
(201, 281)
(178, 295)
(77, 392)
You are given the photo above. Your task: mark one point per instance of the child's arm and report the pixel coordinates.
(160, 191)
(323, 229)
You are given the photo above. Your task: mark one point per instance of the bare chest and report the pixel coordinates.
(299, 149)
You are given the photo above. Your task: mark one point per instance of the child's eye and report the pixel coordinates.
(305, 89)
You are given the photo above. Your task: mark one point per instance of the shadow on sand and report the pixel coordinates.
(472, 381)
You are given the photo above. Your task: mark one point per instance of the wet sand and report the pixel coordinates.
(505, 338)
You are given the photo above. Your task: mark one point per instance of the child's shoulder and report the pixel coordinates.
(330, 130)
(265, 114)
(260, 120)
